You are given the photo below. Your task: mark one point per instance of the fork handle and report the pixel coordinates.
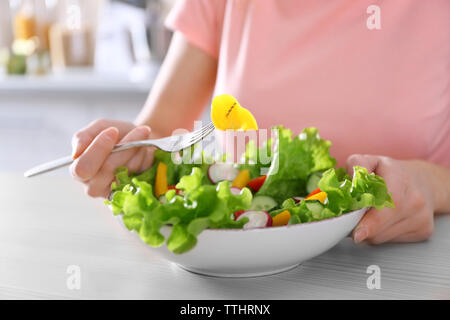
(65, 161)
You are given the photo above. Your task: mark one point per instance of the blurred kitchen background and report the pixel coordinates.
(65, 63)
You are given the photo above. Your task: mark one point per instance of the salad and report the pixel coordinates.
(301, 184)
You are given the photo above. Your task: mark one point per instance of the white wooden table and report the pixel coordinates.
(47, 225)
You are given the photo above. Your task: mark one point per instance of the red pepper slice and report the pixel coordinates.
(255, 184)
(172, 187)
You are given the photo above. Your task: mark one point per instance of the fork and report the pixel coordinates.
(169, 144)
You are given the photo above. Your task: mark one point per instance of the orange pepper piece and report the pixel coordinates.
(281, 219)
(321, 196)
(313, 193)
(242, 179)
(161, 186)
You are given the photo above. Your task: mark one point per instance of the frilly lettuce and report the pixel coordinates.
(343, 195)
(202, 206)
(293, 160)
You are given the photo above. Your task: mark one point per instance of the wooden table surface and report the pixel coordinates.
(47, 224)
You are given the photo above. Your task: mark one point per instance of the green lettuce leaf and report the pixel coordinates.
(369, 190)
(203, 206)
(343, 195)
(293, 160)
(337, 187)
(192, 181)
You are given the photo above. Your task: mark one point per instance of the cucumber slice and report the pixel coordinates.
(315, 206)
(263, 203)
(313, 182)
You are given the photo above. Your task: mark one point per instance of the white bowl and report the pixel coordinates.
(258, 252)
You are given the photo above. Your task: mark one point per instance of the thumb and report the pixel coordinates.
(369, 162)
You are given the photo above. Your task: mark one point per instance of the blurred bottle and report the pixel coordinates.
(72, 37)
(46, 15)
(158, 35)
(24, 20)
(29, 50)
(6, 35)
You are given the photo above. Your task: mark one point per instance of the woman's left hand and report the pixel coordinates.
(414, 193)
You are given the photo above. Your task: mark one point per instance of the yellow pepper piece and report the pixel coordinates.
(227, 113)
(161, 186)
(321, 196)
(281, 219)
(242, 179)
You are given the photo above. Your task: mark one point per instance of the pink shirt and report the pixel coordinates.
(316, 63)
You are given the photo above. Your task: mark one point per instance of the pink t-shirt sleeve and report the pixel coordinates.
(197, 20)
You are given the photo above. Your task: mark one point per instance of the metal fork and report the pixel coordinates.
(169, 144)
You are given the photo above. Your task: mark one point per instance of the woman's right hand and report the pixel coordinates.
(95, 164)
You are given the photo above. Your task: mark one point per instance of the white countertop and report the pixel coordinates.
(47, 225)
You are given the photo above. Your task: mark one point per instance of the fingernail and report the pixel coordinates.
(144, 129)
(360, 234)
(112, 133)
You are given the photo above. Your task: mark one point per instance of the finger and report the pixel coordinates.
(135, 163)
(122, 157)
(87, 165)
(148, 160)
(412, 228)
(96, 189)
(411, 237)
(83, 138)
(367, 161)
(373, 222)
(99, 185)
(407, 237)
(397, 229)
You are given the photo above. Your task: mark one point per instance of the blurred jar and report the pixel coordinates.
(24, 21)
(46, 15)
(72, 37)
(6, 35)
(158, 35)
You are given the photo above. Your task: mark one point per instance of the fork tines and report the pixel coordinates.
(199, 134)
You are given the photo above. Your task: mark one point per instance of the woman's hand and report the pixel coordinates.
(95, 164)
(415, 191)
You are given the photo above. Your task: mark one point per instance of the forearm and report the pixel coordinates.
(181, 91)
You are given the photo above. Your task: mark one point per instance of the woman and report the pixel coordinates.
(373, 78)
